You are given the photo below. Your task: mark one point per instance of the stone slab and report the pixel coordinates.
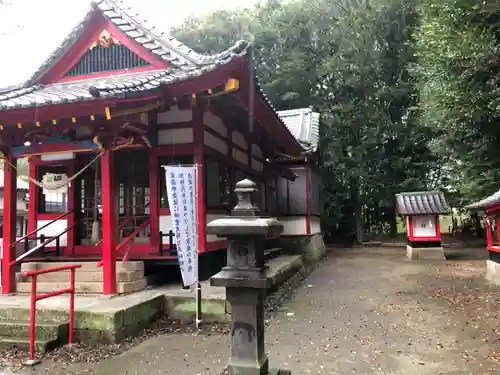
(226, 371)
(87, 276)
(86, 266)
(181, 302)
(90, 287)
(425, 253)
(493, 272)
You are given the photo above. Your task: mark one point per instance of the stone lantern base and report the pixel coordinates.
(425, 253)
(228, 371)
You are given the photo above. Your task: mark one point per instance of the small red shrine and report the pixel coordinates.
(113, 103)
(491, 214)
(421, 211)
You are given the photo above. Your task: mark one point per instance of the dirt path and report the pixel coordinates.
(365, 311)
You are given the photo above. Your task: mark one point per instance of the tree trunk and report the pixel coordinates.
(358, 212)
(393, 223)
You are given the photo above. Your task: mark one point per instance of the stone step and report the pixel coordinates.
(23, 343)
(272, 253)
(123, 287)
(89, 276)
(22, 314)
(86, 266)
(43, 330)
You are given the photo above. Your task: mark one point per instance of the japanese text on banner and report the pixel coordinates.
(181, 190)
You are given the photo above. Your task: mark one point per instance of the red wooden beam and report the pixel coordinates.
(154, 193)
(199, 160)
(108, 223)
(32, 223)
(67, 111)
(9, 225)
(308, 198)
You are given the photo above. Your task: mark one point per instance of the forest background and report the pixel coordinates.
(408, 92)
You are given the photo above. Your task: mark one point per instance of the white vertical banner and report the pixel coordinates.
(181, 193)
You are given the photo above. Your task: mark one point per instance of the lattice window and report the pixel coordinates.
(105, 59)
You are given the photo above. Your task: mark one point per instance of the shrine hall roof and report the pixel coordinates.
(421, 203)
(77, 17)
(184, 63)
(303, 123)
(21, 85)
(492, 200)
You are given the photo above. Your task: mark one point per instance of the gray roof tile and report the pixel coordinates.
(422, 203)
(486, 202)
(303, 123)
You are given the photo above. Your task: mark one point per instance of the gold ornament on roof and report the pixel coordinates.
(105, 40)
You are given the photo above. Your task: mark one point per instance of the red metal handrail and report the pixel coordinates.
(122, 224)
(36, 248)
(42, 227)
(35, 298)
(129, 239)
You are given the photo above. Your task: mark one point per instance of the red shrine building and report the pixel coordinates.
(491, 213)
(421, 211)
(114, 102)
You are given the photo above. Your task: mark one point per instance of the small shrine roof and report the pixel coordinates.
(421, 203)
(492, 200)
(303, 123)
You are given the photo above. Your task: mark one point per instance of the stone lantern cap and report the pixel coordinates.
(244, 219)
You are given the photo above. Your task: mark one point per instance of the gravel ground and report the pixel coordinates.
(363, 311)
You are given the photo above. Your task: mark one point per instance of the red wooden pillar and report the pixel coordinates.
(108, 224)
(32, 210)
(9, 225)
(70, 236)
(308, 197)
(199, 159)
(489, 235)
(438, 228)
(154, 206)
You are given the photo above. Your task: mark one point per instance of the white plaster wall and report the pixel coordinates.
(174, 115)
(315, 225)
(424, 226)
(175, 136)
(21, 204)
(208, 219)
(215, 123)
(239, 140)
(165, 223)
(240, 156)
(257, 165)
(293, 225)
(214, 142)
(53, 230)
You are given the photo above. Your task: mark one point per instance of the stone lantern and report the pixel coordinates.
(245, 280)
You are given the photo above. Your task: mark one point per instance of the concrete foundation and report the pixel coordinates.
(493, 272)
(425, 253)
(101, 319)
(312, 247)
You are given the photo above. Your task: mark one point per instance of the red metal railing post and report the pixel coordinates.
(35, 298)
(71, 306)
(32, 317)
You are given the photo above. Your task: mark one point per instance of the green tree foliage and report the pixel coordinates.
(349, 59)
(458, 82)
